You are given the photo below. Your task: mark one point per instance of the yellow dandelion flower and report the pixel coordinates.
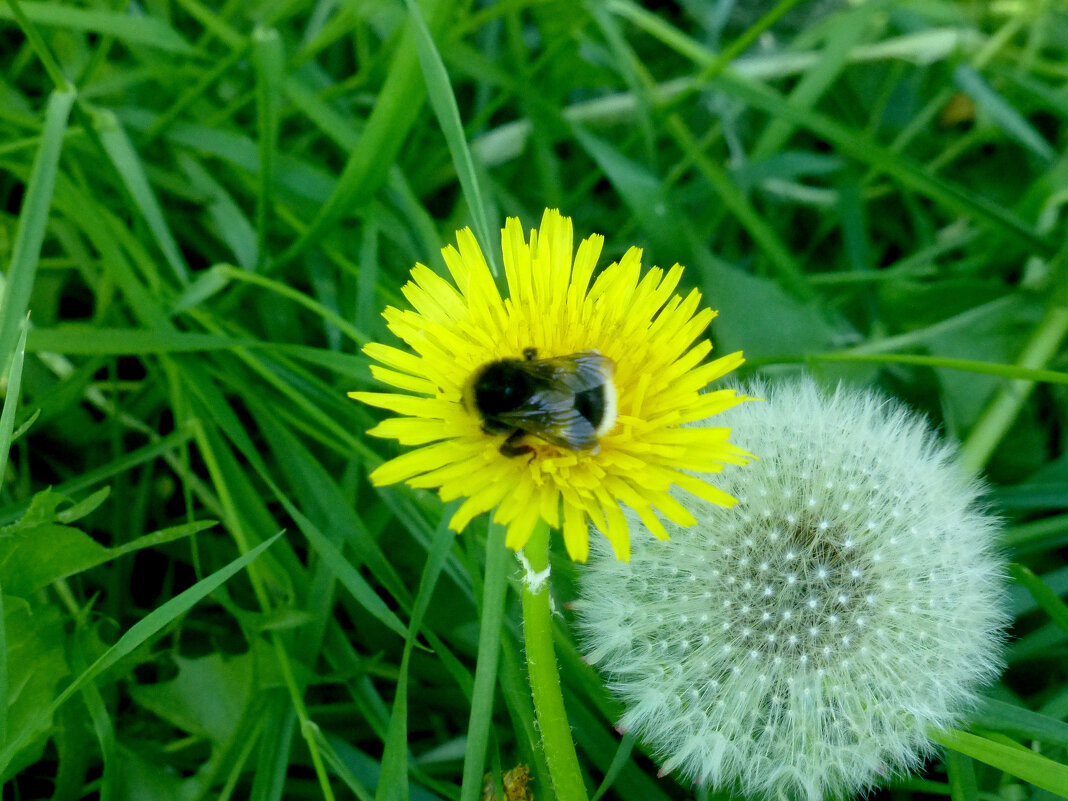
(555, 308)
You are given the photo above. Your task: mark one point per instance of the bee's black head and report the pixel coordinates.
(501, 387)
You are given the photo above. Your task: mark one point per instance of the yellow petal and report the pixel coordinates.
(618, 534)
(576, 533)
(673, 510)
(482, 500)
(404, 381)
(702, 489)
(520, 529)
(412, 430)
(414, 462)
(550, 505)
(406, 404)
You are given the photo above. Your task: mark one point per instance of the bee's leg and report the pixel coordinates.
(530, 354)
(510, 447)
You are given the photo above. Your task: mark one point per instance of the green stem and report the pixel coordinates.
(545, 679)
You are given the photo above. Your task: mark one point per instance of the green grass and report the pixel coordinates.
(204, 210)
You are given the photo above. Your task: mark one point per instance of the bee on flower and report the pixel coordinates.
(561, 402)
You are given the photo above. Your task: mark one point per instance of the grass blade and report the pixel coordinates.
(1013, 759)
(621, 758)
(395, 112)
(135, 29)
(268, 57)
(348, 576)
(393, 780)
(33, 218)
(128, 165)
(5, 690)
(1045, 597)
(961, 772)
(864, 149)
(970, 365)
(93, 341)
(1001, 112)
(489, 650)
(1019, 722)
(13, 382)
(443, 101)
(843, 36)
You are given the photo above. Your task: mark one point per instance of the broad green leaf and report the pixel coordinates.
(36, 661)
(206, 698)
(756, 315)
(34, 554)
(135, 636)
(137, 778)
(38, 549)
(105, 472)
(84, 507)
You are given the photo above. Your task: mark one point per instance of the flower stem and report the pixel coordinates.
(545, 679)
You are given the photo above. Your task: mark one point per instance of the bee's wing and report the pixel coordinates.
(579, 371)
(551, 415)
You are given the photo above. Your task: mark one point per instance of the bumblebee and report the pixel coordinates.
(568, 401)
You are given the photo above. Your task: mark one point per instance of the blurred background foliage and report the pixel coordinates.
(205, 207)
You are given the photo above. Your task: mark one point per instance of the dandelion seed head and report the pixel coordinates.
(831, 644)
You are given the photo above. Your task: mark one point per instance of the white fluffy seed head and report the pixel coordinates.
(799, 645)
